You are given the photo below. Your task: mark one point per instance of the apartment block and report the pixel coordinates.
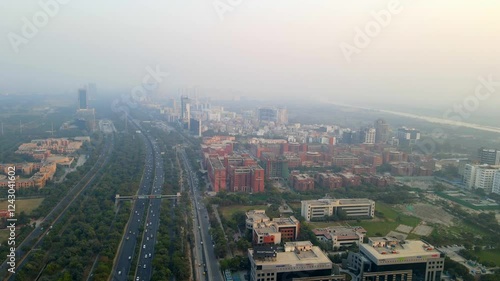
(329, 180)
(216, 174)
(480, 176)
(345, 160)
(301, 182)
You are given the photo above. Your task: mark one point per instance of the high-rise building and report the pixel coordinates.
(496, 183)
(82, 99)
(480, 176)
(185, 108)
(367, 135)
(382, 131)
(489, 156)
(273, 114)
(387, 258)
(408, 136)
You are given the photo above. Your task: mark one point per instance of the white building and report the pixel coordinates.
(496, 183)
(341, 235)
(353, 208)
(300, 261)
(479, 176)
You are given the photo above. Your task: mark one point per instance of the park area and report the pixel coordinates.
(228, 211)
(26, 205)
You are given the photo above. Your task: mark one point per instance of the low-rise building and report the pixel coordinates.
(329, 180)
(301, 182)
(387, 258)
(340, 236)
(254, 217)
(299, 261)
(352, 208)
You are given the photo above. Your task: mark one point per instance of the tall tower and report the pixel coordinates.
(82, 99)
(381, 131)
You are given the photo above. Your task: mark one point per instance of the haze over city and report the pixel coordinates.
(250, 140)
(429, 54)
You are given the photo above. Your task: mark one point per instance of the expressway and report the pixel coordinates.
(205, 258)
(145, 218)
(146, 251)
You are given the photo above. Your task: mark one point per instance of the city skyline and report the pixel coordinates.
(422, 51)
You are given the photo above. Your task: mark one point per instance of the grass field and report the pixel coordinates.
(390, 221)
(228, 211)
(26, 205)
(489, 255)
(295, 206)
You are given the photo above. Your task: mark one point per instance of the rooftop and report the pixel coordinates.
(383, 248)
(326, 202)
(296, 257)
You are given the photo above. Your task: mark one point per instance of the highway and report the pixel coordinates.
(145, 216)
(205, 258)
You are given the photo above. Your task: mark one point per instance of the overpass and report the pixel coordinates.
(119, 198)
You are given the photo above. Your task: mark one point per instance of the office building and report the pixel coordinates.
(255, 217)
(266, 234)
(387, 258)
(340, 236)
(496, 183)
(288, 227)
(82, 99)
(299, 261)
(352, 208)
(273, 114)
(489, 156)
(408, 136)
(381, 131)
(263, 228)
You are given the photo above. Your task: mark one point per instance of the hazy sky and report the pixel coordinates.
(431, 51)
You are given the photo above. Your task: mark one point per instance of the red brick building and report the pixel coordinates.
(301, 182)
(329, 180)
(216, 174)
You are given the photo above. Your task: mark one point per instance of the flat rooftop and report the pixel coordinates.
(327, 202)
(315, 255)
(216, 163)
(388, 248)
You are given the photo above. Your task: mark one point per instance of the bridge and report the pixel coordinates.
(119, 198)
